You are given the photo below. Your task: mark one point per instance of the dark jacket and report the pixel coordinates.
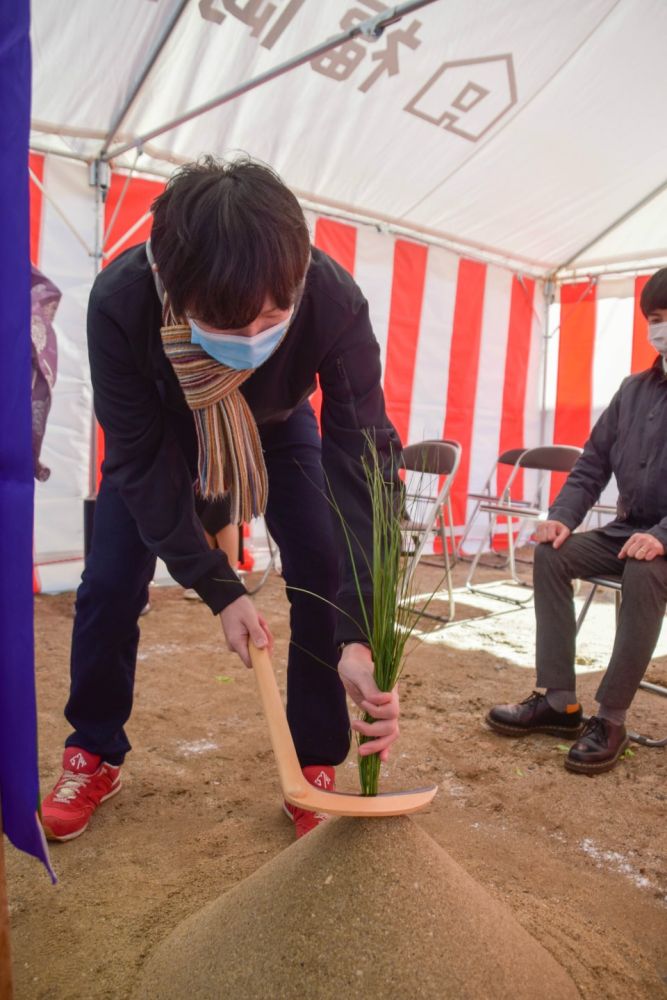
(151, 448)
(630, 441)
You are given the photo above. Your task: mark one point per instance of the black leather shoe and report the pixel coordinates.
(599, 747)
(534, 715)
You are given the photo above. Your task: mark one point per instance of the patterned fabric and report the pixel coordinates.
(230, 453)
(44, 298)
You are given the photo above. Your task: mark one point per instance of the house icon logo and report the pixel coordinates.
(467, 97)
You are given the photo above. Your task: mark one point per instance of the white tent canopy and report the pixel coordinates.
(519, 131)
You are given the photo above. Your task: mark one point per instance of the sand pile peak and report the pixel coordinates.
(370, 908)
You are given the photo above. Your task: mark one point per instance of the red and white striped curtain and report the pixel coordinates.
(460, 344)
(463, 345)
(599, 337)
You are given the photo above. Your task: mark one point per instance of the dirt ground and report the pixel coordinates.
(581, 862)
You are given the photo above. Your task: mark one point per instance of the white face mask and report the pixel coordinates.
(657, 335)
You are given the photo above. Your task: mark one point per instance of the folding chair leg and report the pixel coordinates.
(452, 533)
(526, 529)
(487, 589)
(584, 610)
(446, 533)
(450, 591)
(458, 549)
(412, 568)
(466, 530)
(655, 688)
(447, 536)
(513, 544)
(444, 538)
(510, 550)
(646, 741)
(478, 554)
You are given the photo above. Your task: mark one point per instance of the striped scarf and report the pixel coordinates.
(230, 452)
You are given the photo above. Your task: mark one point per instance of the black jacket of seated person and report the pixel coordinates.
(150, 441)
(629, 440)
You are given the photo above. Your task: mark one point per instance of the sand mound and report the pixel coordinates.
(358, 907)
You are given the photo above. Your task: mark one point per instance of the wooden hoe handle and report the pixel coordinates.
(295, 788)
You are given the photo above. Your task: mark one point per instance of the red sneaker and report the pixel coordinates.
(86, 782)
(304, 819)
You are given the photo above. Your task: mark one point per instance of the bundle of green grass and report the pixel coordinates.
(371, 908)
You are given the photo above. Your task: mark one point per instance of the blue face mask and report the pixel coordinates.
(240, 353)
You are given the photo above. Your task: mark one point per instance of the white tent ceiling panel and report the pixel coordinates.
(575, 158)
(357, 146)
(644, 234)
(525, 129)
(88, 56)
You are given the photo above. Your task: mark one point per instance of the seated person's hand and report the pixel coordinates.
(355, 669)
(642, 546)
(554, 532)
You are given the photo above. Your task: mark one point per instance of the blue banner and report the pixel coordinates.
(19, 783)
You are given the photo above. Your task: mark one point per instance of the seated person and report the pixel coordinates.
(630, 441)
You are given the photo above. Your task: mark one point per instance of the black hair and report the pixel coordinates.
(225, 235)
(654, 293)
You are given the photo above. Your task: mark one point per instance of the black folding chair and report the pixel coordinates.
(547, 458)
(428, 507)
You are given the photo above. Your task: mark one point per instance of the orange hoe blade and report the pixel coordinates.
(300, 792)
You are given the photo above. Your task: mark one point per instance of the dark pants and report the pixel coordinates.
(644, 595)
(114, 590)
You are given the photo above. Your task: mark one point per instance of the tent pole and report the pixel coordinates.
(99, 178)
(373, 27)
(488, 255)
(119, 203)
(549, 296)
(549, 299)
(134, 93)
(6, 990)
(630, 268)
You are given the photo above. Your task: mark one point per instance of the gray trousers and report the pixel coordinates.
(644, 597)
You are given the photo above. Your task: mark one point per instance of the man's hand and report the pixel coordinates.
(356, 672)
(240, 622)
(642, 546)
(554, 532)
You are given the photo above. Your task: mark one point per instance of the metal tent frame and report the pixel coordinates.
(100, 168)
(370, 28)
